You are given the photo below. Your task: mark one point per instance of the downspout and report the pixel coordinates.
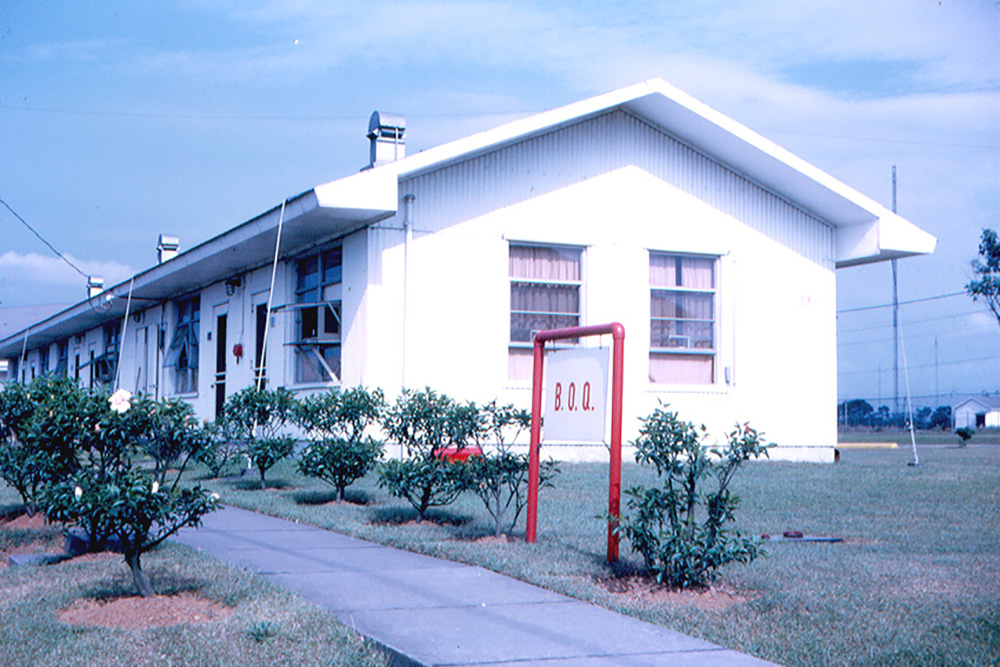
(408, 230)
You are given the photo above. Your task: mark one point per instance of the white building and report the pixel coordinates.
(715, 248)
(977, 412)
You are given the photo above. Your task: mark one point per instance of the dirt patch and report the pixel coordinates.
(493, 539)
(25, 522)
(642, 588)
(137, 613)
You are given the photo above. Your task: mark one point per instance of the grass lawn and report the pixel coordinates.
(916, 581)
(288, 630)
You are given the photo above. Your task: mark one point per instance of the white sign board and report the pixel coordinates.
(576, 394)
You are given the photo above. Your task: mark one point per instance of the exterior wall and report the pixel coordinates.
(965, 415)
(618, 188)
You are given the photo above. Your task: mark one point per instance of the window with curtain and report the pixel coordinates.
(318, 281)
(545, 293)
(182, 355)
(682, 347)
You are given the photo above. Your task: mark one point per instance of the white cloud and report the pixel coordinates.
(34, 268)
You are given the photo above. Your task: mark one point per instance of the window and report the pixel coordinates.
(317, 305)
(62, 360)
(183, 352)
(545, 285)
(682, 319)
(106, 364)
(43, 360)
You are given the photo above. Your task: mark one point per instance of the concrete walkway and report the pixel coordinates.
(427, 611)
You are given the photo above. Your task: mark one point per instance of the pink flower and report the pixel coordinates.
(120, 401)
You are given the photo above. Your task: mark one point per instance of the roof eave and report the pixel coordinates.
(313, 216)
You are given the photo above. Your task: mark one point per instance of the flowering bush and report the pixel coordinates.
(76, 450)
(40, 428)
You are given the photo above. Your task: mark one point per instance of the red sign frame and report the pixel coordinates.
(617, 332)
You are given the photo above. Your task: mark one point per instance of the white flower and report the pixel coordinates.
(156, 486)
(78, 492)
(214, 497)
(120, 401)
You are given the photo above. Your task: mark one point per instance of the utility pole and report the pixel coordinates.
(937, 387)
(895, 315)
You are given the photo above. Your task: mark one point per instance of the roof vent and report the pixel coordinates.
(95, 285)
(166, 248)
(387, 132)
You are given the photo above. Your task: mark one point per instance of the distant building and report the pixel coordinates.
(977, 412)
(715, 248)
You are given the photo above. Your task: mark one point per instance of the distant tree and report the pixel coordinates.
(856, 412)
(941, 418)
(922, 419)
(985, 284)
(882, 417)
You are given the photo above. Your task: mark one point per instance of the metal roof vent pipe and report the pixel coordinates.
(387, 132)
(95, 285)
(166, 248)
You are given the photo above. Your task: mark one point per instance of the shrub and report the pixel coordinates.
(109, 496)
(40, 427)
(683, 531)
(340, 451)
(499, 477)
(965, 434)
(257, 418)
(175, 436)
(131, 507)
(425, 423)
(220, 450)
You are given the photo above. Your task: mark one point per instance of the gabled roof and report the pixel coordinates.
(865, 231)
(987, 403)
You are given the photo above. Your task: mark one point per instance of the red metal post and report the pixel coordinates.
(617, 332)
(615, 469)
(531, 519)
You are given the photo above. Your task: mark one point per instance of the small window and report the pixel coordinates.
(43, 360)
(682, 323)
(62, 361)
(318, 317)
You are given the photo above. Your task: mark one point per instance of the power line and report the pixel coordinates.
(902, 303)
(40, 238)
(912, 322)
(943, 363)
(873, 341)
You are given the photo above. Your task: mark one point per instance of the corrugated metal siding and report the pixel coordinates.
(599, 145)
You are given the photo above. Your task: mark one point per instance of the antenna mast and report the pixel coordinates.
(895, 315)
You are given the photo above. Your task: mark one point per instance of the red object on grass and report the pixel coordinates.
(455, 454)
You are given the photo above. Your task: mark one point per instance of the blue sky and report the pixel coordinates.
(122, 120)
